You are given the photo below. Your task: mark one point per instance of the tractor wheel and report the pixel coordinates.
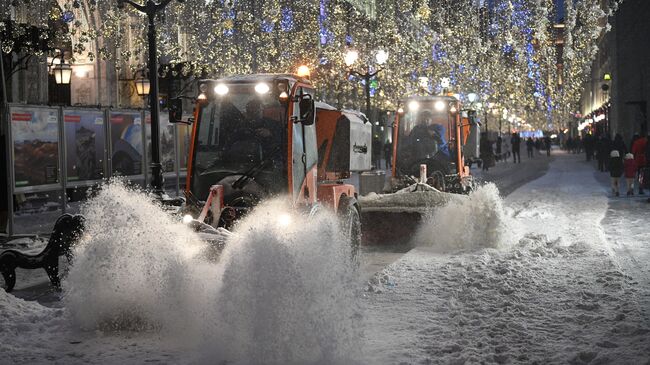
(351, 226)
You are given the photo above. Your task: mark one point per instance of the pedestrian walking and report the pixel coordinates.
(638, 151)
(630, 170)
(619, 144)
(485, 149)
(588, 142)
(547, 145)
(499, 150)
(615, 170)
(388, 155)
(515, 142)
(603, 146)
(529, 147)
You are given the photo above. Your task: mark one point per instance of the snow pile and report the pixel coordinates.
(287, 295)
(467, 224)
(135, 268)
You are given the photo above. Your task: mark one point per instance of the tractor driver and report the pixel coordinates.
(423, 135)
(266, 130)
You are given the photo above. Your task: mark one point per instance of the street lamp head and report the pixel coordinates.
(381, 57)
(351, 56)
(62, 73)
(142, 86)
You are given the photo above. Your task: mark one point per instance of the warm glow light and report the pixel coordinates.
(62, 74)
(351, 57)
(607, 77)
(284, 95)
(142, 86)
(414, 106)
(187, 219)
(221, 89)
(400, 110)
(202, 97)
(453, 109)
(303, 71)
(439, 105)
(262, 88)
(381, 57)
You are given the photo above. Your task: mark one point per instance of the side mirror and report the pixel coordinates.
(307, 108)
(176, 111)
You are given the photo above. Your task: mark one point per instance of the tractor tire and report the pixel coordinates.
(350, 226)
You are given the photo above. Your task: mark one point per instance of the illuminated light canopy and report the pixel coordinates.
(221, 89)
(381, 57)
(262, 88)
(351, 57)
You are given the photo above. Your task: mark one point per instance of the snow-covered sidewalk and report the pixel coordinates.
(569, 284)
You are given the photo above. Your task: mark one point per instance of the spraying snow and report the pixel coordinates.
(467, 224)
(288, 292)
(282, 292)
(135, 267)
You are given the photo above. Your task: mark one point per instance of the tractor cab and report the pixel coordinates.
(254, 136)
(431, 131)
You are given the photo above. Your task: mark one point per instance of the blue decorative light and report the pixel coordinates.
(286, 23)
(68, 16)
(267, 26)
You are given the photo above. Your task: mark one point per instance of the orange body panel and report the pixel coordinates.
(326, 121)
(330, 194)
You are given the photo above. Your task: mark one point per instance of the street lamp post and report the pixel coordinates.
(151, 8)
(351, 58)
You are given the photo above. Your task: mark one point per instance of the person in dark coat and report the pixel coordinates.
(615, 170)
(529, 147)
(619, 144)
(588, 142)
(487, 154)
(499, 143)
(515, 142)
(388, 154)
(547, 145)
(603, 147)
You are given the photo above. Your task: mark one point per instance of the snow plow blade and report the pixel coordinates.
(393, 219)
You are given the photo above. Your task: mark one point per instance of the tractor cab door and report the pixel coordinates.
(304, 154)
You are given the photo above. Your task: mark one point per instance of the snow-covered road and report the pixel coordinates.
(568, 285)
(557, 272)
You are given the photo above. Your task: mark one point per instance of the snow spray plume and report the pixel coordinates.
(466, 224)
(287, 294)
(136, 268)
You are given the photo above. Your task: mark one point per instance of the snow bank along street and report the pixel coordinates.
(565, 280)
(555, 273)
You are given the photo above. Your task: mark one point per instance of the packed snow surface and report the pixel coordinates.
(557, 273)
(544, 285)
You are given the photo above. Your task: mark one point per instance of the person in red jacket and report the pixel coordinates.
(630, 169)
(638, 150)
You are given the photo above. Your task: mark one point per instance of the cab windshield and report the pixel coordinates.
(424, 134)
(242, 133)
